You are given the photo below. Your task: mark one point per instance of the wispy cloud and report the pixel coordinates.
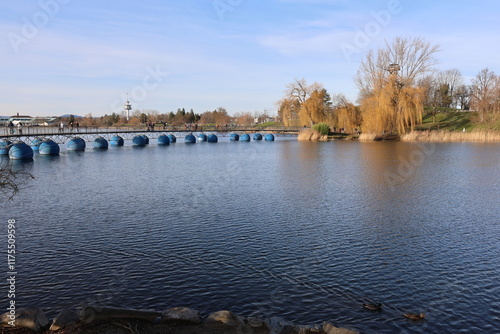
(91, 52)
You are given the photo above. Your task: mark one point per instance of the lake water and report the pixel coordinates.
(299, 230)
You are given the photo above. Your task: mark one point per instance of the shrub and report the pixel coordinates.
(322, 128)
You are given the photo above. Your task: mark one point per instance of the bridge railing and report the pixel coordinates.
(6, 131)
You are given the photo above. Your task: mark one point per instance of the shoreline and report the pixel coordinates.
(475, 136)
(177, 320)
(436, 136)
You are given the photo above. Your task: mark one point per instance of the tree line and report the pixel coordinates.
(180, 117)
(398, 84)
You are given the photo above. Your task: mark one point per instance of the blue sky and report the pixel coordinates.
(79, 57)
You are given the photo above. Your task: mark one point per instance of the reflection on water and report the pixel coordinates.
(306, 231)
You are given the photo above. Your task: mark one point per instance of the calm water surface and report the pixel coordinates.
(304, 231)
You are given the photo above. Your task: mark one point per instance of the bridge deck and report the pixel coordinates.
(90, 133)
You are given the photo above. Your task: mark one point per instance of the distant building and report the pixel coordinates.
(261, 120)
(23, 119)
(28, 120)
(45, 121)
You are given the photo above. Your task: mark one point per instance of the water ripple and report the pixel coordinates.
(306, 231)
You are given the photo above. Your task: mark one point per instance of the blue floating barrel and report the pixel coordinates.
(202, 137)
(4, 147)
(76, 144)
(35, 144)
(269, 137)
(20, 151)
(100, 143)
(234, 137)
(212, 138)
(49, 147)
(116, 141)
(163, 140)
(190, 139)
(245, 137)
(257, 136)
(138, 141)
(146, 139)
(172, 138)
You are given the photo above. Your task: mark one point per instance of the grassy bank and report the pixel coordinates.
(453, 120)
(447, 126)
(454, 126)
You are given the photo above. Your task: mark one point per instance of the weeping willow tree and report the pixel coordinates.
(392, 108)
(316, 108)
(303, 103)
(288, 111)
(391, 99)
(347, 116)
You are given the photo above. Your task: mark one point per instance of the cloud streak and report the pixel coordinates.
(91, 52)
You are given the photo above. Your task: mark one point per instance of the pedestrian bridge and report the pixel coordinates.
(89, 134)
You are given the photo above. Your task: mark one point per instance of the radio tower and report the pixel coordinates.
(127, 108)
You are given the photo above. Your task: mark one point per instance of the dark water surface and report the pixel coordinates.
(304, 231)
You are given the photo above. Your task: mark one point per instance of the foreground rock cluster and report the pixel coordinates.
(178, 320)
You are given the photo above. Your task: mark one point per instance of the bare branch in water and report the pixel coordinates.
(12, 181)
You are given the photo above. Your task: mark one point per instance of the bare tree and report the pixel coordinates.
(428, 85)
(244, 118)
(410, 58)
(296, 94)
(451, 79)
(88, 120)
(300, 90)
(496, 95)
(463, 96)
(483, 93)
(152, 114)
(221, 116)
